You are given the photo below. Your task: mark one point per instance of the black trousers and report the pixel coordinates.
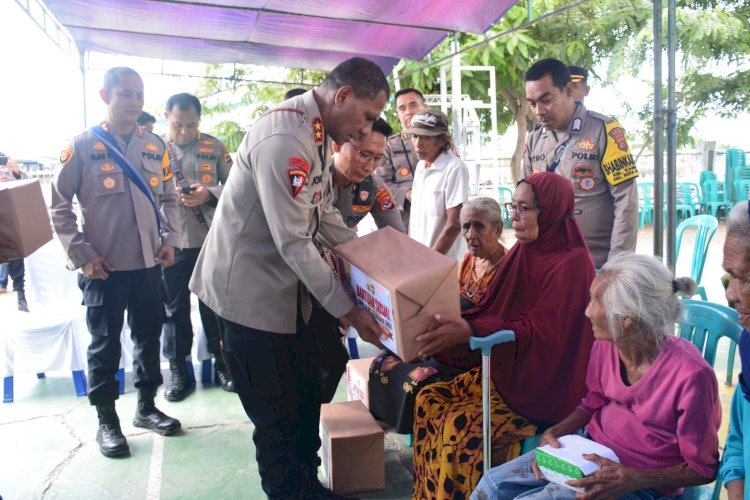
(332, 356)
(278, 382)
(140, 292)
(17, 273)
(178, 328)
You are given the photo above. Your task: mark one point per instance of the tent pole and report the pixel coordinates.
(81, 57)
(658, 135)
(671, 133)
(456, 88)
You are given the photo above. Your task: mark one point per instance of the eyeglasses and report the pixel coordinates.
(521, 210)
(366, 157)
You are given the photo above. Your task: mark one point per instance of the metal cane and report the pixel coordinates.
(485, 344)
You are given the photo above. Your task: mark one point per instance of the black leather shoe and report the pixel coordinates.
(224, 380)
(23, 305)
(111, 441)
(179, 385)
(155, 420)
(313, 490)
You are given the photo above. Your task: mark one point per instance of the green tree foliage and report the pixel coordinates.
(618, 36)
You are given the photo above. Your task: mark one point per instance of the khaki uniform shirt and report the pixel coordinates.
(370, 196)
(117, 218)
(259, 259)
(397, 170)
(597, 160)
(204, 161)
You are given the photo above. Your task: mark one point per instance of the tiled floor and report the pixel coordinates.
(48, 450)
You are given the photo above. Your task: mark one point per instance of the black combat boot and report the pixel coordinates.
(223, 378)
(179, 385)
(109, 436)
(148, 416)
(22, 304)
(313, 490)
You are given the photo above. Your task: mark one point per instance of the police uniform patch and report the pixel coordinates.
(535, 170)
(587, 183)
(66, 155)
(109, 183)
(166, 168)
(207, 141)
(297, 178)
(618, 164)
(206, 167)
(404, 171)
(301, 163)
(317, 126)
(583, 171)
(586, 145)
(107, 167)
(227, 157)
(99, 146)
(152, 147)
(363, 195)
(205, 150)
(153, 181)
(316, 197)
(383, 197)
(206, 179)
(577, 125)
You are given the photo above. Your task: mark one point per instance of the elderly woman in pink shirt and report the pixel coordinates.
(652, 398)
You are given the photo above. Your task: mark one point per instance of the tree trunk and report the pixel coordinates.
(521, 128)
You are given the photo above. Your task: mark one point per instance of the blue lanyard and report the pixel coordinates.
(126, 167)
(558, 156)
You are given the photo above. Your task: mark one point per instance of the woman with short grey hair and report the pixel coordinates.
(653, 399)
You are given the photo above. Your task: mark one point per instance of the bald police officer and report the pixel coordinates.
(117, 173)
(356, 191)
(259, 269)
(399, 161)
(200, 164)
(591, 150)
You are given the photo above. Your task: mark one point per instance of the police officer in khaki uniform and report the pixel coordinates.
(591, 150)
(259, 268)
(399, 162)
(124, 241)
(200, 164)
(356, 191)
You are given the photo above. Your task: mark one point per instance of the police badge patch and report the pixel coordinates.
(577, 125)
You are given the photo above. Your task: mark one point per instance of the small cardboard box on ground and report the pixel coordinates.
(402, 283)
(24, 222)
(357, 377)
(563, 464)
(352, 448)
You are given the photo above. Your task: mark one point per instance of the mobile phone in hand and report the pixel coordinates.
(188, 190)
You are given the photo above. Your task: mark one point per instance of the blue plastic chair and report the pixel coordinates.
(742, 188)
(704, 323)
(684, 200)
(692, 196)
(645, 203)
(715, 197)
(505, 196)
(705, 226)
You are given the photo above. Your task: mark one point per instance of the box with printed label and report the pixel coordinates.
(24, 221)
(565, 463)
(402, 283)
(352, 448)
(357, 376)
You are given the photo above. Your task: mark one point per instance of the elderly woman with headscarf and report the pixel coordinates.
(394, 384)
(441, 185)
(652, 398)
(540, 291)
(736, 462)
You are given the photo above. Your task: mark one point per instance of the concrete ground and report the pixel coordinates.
(48, 448)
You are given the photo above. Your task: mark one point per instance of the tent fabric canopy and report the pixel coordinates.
(311, 34)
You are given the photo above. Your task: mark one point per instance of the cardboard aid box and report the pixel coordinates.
(357, 378)
(565, 463)
(24, 222)
(402, 283)
(352, 448)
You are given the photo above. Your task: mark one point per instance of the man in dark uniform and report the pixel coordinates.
(117, 173)
(399, 162)
(259, 268)
(201, 165)
(591, 150)
(356, 191)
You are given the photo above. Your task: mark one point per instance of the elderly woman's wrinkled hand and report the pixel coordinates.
(612, 480)
(445, 332)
